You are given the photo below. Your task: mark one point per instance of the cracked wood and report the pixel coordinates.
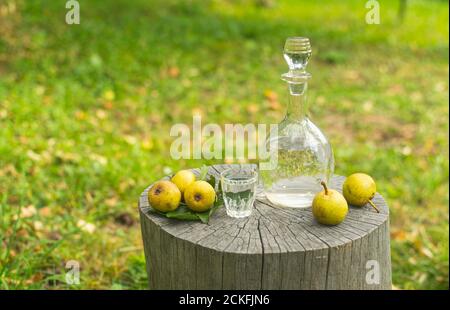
(274, 248)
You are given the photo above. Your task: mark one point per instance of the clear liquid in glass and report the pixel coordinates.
(238, 197)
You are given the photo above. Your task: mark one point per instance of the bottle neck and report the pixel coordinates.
(297, 108)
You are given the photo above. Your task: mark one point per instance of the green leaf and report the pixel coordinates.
(182, 213)
(203, 172)
(211, 180)
(217, 205)
(204, 216)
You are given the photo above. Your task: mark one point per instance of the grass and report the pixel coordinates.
(86, 110)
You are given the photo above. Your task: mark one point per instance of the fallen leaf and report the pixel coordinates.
(54, 235)
(321, 100)
(173, 72)
(125, 219)
(368, 106)
(154, 94)
(33, 156)
(186, 83)
(398, 235)
(123, 186)
(131, 140)
(26, 212)
(142, 91)
(22, 233)
(85, 226)
(37, 277)
(80, 115)
(395, 89)
(406, 150)
(147, 144)
(101, 114)
(67, 157)
(275, 105)
(428, 148)
(99, 141)
(89, 197)
(108, 95)
(440, 87)
(155, 119)
(252, 108)
(9, 170)
(416, 96)
(108, 105)
(426, 252)
(39, 90)
(352, 75)
(99, 159)
(412, 261)
(3, 114)
(130, 249)
(111, 202)
(270, 95)
(38, 226)
(422, 277)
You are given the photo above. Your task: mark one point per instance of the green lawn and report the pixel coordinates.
(85, 114)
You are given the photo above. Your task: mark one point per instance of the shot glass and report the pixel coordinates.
(239, 188)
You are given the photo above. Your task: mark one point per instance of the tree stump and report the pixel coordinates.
(274, 248)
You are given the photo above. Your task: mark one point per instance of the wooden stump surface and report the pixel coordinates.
(274, 248)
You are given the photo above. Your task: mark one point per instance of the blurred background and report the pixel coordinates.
(86, 110)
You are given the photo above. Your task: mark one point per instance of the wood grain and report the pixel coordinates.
(274, 248)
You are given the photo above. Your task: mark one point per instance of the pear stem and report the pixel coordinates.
(324, 187)
(374, 206)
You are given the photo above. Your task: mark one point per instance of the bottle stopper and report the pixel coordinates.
(297, 51)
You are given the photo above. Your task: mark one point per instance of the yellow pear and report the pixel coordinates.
(164, 196)
(199, 196)
(359, 189)
(182, 179)
(329, 206)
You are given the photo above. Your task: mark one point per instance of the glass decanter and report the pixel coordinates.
(303, 154)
